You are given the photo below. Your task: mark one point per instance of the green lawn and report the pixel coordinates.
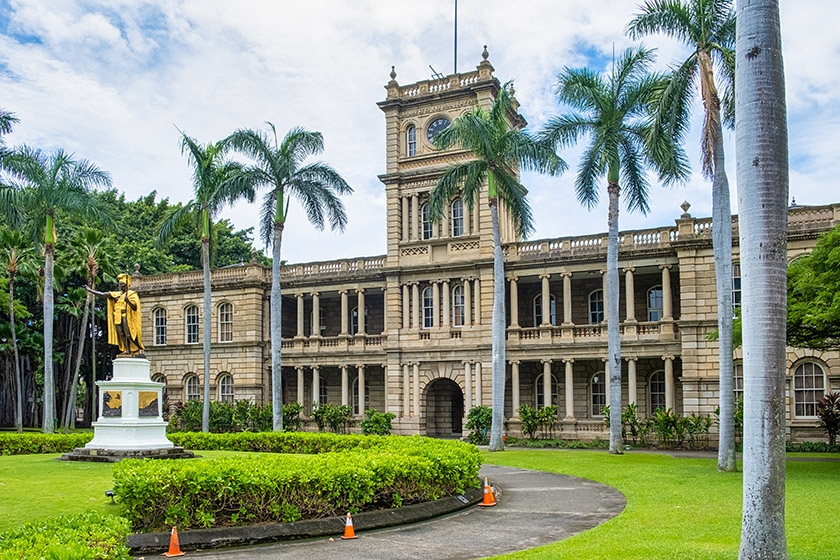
(684, 508)
(676, 508)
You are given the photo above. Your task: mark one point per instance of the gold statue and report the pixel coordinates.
(123, 317)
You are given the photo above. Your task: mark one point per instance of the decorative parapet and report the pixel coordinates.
(332, 268)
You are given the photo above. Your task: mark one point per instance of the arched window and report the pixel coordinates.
(226, 387)
(458, 306)
(598, 394)
(191, 320)
(354, 320)
(355, 398)
(539, 391)
(160, 378)
(428, 308)
(808, 388)
(552, 307)
(736, 285)
(192, 389)
(225, 322)
(160, 326)
(457, 218)
(427, 224)
(596, 307)
(411, 141)
(738, 373)
(656, 391)
(654, 304)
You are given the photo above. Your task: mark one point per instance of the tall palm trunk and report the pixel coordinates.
(613, 332)
(94, 402)
(70, 408)
(207, 326)
(18, 376)
(49, 310)
(722, 247)
(762, 163)
(276, 333)
(498, 334)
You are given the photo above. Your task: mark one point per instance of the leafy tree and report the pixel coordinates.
(500, 149)
(707, 27)
(761, 144)
(622, 140)
(215, 184)
(279, 168)
(51, 182)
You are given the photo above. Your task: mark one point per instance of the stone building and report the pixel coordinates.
(408, 332)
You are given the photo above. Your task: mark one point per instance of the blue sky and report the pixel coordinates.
(110, 81)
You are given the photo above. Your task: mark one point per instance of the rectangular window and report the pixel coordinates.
(225, 322)
(160, 327)
(736, 285)
(457, 218)
(192, 324)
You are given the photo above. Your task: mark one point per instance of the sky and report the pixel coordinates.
(113, 81)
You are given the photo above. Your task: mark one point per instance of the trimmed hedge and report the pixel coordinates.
(86, 536)
(27, 444)
(349, 473)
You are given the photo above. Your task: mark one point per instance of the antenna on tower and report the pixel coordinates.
(435, 74)
(455, 71)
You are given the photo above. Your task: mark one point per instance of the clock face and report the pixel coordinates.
(436, 127)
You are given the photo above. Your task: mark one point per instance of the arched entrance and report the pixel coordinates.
(444, 409)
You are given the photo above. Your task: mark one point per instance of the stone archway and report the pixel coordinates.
(444, 408)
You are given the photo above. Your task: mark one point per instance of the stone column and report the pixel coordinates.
(300, 397)
(467, 303)
(406, 392)
(447, 311)
(416, 392)
(405, 230)
(514, 302)
(300, 333)
(384, 311)
(477, 300)
(475, 214)
(567, 298)
(406, 307)
(316, 314)
(445, 221)
(467, 220)
(361, 368)
(345, 387)
(415, 217)
(667, 304)
(670, 393)
(630, 295)
(478, 395)
(468, 397)
(316, 384)
(415, 302)
(436, 304)
(360, 299)
(344, 313)
(546, 382)
(631, 379)
(514, 384)
(546, 301)
(570, 390)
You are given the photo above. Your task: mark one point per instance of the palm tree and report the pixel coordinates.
(707, 27)
(18, 257)
(216, 182)
(279, 167)
(622, 141)
(7, 121)
(52, 182)
(761, 152)
(500, 150)
(91, 250)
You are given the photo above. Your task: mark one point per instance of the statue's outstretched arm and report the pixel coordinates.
(94, 292)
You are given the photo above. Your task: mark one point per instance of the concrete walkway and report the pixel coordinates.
(535, 508)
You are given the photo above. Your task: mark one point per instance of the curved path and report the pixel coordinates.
(535, 508)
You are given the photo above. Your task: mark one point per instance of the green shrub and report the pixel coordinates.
(828, 411)
(332, 416)
(239, 416)
(85, 536)
(377, 423)
(530, 421)
(371, 472)
(291, 417)
(479, 419)
(547, 417)
(812, 447)
(31, 443)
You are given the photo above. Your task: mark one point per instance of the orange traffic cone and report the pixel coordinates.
(349, 533)
(489, 498)
(174, 547)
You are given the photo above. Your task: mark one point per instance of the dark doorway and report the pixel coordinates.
(444, 409)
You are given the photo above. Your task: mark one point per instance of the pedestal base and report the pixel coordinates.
(97, 455)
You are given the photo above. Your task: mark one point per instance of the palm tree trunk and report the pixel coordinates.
(49, 309)
(94, 402)
(207, 326)
(613, 332)
(18, 377)
(276, 332)
(498, 334)
(762, 164)
(69, 412)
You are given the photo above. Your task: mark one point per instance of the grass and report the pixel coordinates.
(676, 508)
(684, 508)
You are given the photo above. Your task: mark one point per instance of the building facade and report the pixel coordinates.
(409, 332)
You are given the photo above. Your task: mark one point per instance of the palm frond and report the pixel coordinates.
(170, 224)
(726, 70)
(532, 155)
(592, 165)
(631, 68)
(324, 174)
(299, 143)
(565, 130)
(512, 194)
(267, 213)
(635, 184)
(670, 17)
(582, 89)
(454, 180)
(7, 121)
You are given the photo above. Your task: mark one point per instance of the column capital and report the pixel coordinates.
(360, 290)
(566, 274)
(343, 291)
(315, 368)
(568, 360)
(299, 295)
(664, 266)
(513, 278)
(545, 275)
(360, 366)
(631, 358)
(546, 361)
(343, 366)
(467, 278)
(437, 281)
(668, 357)
(602, 271)
(299, 368)
(605, 360)
(446, 280)
(313, 294)
(383, 288)
(511, 362)
(629, 269)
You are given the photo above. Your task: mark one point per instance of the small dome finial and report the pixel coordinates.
(393, 73)
(685, 206)
(485, 54)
